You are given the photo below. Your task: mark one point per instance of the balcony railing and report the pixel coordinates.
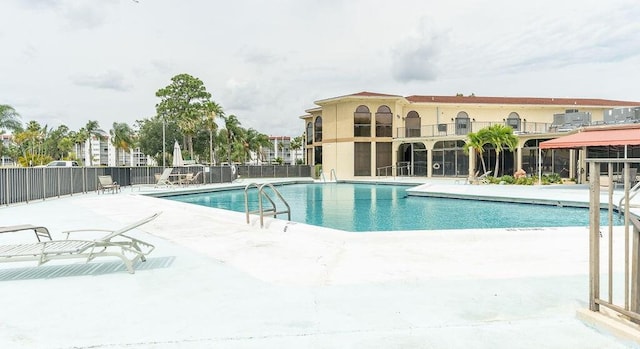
(453, 129)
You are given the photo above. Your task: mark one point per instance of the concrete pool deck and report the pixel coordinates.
(214, 281)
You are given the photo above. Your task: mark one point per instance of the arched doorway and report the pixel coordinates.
(412, 159)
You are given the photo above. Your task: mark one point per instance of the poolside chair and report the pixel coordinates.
(192, 179)
(185, 178)
(163, 180)
(115, 244)
(106, 183)
(40, 231)
(484, 178)
(480, 179)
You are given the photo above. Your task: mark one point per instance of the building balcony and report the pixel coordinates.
(461, 129)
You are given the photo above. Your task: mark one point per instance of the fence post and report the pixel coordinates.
(635, 280)
(594, 236)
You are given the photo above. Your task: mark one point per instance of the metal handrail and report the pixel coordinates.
(392, 167)
(632, 193)
(273, 211)
(246, 198)
(334, 175)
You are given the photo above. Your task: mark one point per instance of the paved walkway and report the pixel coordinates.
(214, 281)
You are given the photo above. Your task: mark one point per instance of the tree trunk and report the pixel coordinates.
(210, 148)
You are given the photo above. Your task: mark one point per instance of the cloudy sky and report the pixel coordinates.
(70, 61)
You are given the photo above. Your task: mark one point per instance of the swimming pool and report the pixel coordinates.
(359, 207)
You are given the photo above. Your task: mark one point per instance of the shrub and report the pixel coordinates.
(507, 179)
(318, 169)
(525, 181)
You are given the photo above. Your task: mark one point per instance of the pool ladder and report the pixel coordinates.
(272, 211)
(332, 174)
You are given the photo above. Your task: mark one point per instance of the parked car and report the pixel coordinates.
(62, 163)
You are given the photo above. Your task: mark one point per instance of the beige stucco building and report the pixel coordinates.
(370, 134)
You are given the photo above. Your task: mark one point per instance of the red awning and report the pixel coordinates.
(596, 137)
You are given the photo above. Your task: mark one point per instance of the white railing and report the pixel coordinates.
(626, 304)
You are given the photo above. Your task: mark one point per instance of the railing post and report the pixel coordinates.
(635, 286)
(594, 236)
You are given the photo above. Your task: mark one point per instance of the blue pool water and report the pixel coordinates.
(370, 207)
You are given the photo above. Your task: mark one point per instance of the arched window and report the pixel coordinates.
(309, 133)
(412, 124)
(317, 136)
(514, 121)
(362, 122)
(384, 118)
(462, 123)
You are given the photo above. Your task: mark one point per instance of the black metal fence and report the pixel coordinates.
(37, 183)
(274, 171)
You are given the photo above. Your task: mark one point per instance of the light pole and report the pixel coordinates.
(163, 145)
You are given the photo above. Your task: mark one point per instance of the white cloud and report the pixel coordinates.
(416, 58)
(110, 80)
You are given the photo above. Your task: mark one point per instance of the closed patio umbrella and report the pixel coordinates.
(177, 155)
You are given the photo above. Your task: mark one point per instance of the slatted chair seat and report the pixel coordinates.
(48, 247)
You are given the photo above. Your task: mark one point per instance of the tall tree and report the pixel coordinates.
(149, 136)
(234, 134)
(501, 137)
(121, 138)
(185, 101)
(253, 143)
(213, 110)
(475, 143)
(295, 145)
(9, 119)
(57, 143)
(30, 141)
(92, 127)
(80, 139)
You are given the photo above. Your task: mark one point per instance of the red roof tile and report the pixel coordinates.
(520, 100)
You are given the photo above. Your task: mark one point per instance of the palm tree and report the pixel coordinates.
(30, 141)
(295, 145)
(80, 139)
(9, 118)
(92, 128)
(213, 110)
(475, 142)
(188, 124)
(501, 136)
(262, 142)
(234, 133)
(121, 138)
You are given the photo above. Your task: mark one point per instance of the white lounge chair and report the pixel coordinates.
(479, 179)
(116, 244)
(163, 180)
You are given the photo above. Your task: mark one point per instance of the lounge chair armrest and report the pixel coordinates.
(68, 232)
